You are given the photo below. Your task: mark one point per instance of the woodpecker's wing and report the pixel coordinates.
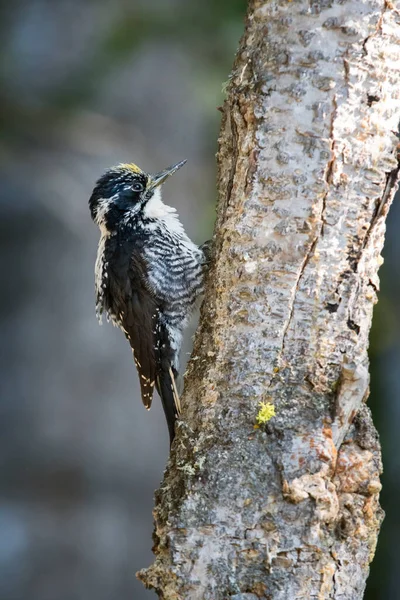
(140, 324)
(134, 308)
(140, 313)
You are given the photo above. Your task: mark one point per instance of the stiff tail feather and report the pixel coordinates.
(167, 389)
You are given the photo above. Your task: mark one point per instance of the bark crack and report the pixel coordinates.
(381, 209)
(387, 5)
(304, 264)
(392, 179)
(307, 258)
(234, 131)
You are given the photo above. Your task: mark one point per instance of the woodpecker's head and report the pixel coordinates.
(124, 189)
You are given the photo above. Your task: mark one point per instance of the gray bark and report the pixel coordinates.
(307, 170)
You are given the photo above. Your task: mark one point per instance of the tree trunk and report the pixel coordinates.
(288, 509)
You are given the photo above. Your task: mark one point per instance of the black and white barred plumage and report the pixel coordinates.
(148, 275)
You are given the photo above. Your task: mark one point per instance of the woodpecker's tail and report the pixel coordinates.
(167, 388)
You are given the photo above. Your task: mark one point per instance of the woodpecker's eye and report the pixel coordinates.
(137, 187)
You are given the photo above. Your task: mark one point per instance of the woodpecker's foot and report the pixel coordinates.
(207, 249)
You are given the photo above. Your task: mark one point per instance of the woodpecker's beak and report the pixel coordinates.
(159, 178)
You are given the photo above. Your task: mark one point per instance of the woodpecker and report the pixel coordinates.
(148, 276)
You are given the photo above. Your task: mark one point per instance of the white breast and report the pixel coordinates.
(156, 209)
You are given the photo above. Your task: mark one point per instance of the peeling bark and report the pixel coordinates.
(307, 169)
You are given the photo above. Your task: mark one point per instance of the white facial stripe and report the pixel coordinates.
(103, 206)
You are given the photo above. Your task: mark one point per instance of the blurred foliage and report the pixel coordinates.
(384, 354)
(211, 28)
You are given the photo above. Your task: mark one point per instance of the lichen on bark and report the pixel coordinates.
(307, 169)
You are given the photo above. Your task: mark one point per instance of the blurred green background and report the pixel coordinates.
(84, 85)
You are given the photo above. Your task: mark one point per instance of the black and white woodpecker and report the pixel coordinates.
(148, 275)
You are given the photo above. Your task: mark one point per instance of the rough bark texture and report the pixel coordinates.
(307, 169)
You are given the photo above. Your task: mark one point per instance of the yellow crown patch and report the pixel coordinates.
(130, 167)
